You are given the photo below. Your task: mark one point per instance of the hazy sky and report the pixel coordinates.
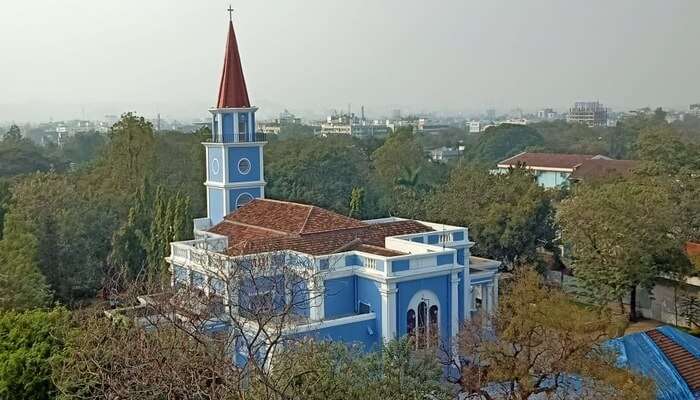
(63, 58)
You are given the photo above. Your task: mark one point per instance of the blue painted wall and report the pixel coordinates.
(439, 285)
(368, 292)
(212, 153)
(445, 259)
(237, 153)
(400, 265)
(433, 239)
(551, 179)
(234, 193)
(339, 297)
(460, 256)
(457, 236)
(363, 333)
(216, 204)
(227, 127)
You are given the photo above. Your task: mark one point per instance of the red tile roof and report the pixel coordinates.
(603, 168)
(687, 365)
(546, 160)
(291, 218)
(232, 88)
(270, 225)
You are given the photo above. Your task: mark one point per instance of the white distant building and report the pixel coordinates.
(547, 114)
(590, 113)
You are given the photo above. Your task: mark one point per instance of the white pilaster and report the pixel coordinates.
(467, 296)
(454, 305)
(489, 296)
(388, 295)
(495, 292)
(316, 289)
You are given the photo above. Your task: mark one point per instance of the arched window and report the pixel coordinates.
(243, 199)
(434, 331)
(423, 320)
(411, 323)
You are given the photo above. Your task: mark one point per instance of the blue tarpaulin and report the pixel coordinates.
(639, 353)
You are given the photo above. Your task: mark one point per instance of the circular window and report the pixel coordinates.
(215, 166)
(244, 166)
(243, 199)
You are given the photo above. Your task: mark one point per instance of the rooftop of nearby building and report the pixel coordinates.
(547, 160)
(668, 356)
(598, 168)
(265, 225)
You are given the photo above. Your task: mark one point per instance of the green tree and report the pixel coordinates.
(330, 371)
(316, 170)
(19, 156)
(509, 216)
(400, 157)
(30, 343)
(543, 345)
(22, 286)
(503, 141)
(13, 134)
(357, 198)
(72, 231)
(623, 235)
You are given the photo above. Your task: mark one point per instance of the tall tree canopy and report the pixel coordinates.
(509, 216)
(623, 235)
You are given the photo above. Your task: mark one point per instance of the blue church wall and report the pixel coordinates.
(460, 256)
(301, 298)
(363, 333)
(227, 127)
(237, 153)
(400, 265)
(216, 204)
(433, 239)
(353, 260)
(444, 259)
(440, 285)
(234, 193)
(215, 153)
(458, 236)
(339, 297)
(368, 293)
(418, 239)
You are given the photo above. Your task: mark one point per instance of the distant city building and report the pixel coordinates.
(491, 114)
(695, 109)
(275, 127)
(547, 114)
(352, 125)
(427, 126)
(445, 154)
(590, 113)
(474, 126)
(515, 121)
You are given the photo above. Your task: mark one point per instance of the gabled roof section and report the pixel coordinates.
(232, 88)
(291, 218)
(603, 168)
(265, 225)
(547, 160)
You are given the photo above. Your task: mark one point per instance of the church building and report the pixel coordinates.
(360, 281)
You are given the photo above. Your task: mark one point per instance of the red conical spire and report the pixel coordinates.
(232, 90)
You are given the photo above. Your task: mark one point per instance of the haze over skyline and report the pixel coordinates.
(77, 57)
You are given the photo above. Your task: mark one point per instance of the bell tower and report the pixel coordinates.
(234, 155)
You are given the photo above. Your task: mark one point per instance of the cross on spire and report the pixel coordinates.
(230, 13)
